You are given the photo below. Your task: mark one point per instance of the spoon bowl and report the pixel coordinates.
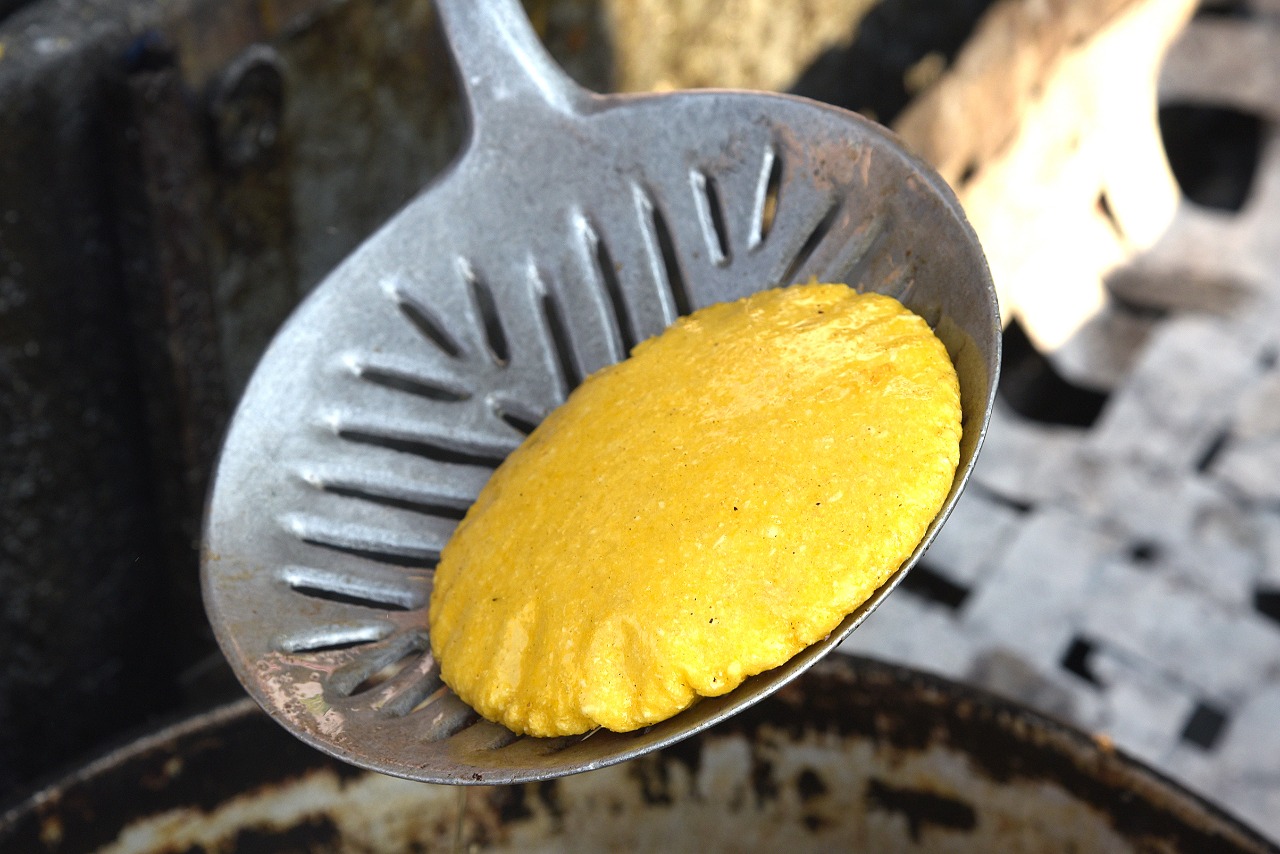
(573, 226)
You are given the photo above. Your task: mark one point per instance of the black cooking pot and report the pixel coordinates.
(854, 755)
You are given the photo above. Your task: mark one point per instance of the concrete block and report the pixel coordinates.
(1023, 461)
(1033, 599)
(1267, 524)
(1104, 350)
(1254, 804)
(1225, 571)
(1251, 744)
(1179, 276)
(1252, 466)
(1219, 650)
(1144, 710)
(1250, 461)
(975, 536)
(1258, 410)
(1180, 396)
(906, 630)
(1143, 501)
(1051, 691)
(1223, 553)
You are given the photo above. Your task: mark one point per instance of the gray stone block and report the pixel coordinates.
(1220, 650)
(1251, 744)
(1024, 461)
(1267, 524)
(1198, 770)
(974, 538)
(906, 630)
(1256, 804)
(1145, 710)
(1223, 569)
(1252, 466)
(1104, 350)
(1257, 412)
(1180, 396)
(1051, 691)
(1141, 500)
(1250, 459)
(1246, 773)
(1034, 596)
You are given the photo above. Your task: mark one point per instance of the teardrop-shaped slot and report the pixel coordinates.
(515, 414)
(382, 545)
(416, 488)
(441, 715)
(348, 587)
(483, 735)
(437, 509)
(378, 666)
(408, 687)
(424, 321)
(675, 280)
(819, 231)
(557, 327)
(346, 598)
(414, 562)
(327, 639)
(710, 208)
(423, 447)
(541, 747)
(495, 335)
(385, 675)
(609, 284)
(765, 212)
(412, 384)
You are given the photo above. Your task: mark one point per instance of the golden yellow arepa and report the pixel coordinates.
(698, 513)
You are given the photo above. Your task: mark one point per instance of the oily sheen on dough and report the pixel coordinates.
(698, 513)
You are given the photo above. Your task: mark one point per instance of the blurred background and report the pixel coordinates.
(175, 176)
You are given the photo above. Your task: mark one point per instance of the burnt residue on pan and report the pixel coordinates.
(921, 807)
(906, 712)
(854, 754)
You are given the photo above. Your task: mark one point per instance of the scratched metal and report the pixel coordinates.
(573, 226)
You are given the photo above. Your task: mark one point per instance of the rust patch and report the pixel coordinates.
(654, 779)
(762, 782)
(810, 785)
(314, 834)
(920, 808)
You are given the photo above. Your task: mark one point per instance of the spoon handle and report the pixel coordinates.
(501, 62)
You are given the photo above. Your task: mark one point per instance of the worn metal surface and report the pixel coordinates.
(573, 226)
(854, 755)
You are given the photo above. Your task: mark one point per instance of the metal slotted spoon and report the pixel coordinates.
(573, 226)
